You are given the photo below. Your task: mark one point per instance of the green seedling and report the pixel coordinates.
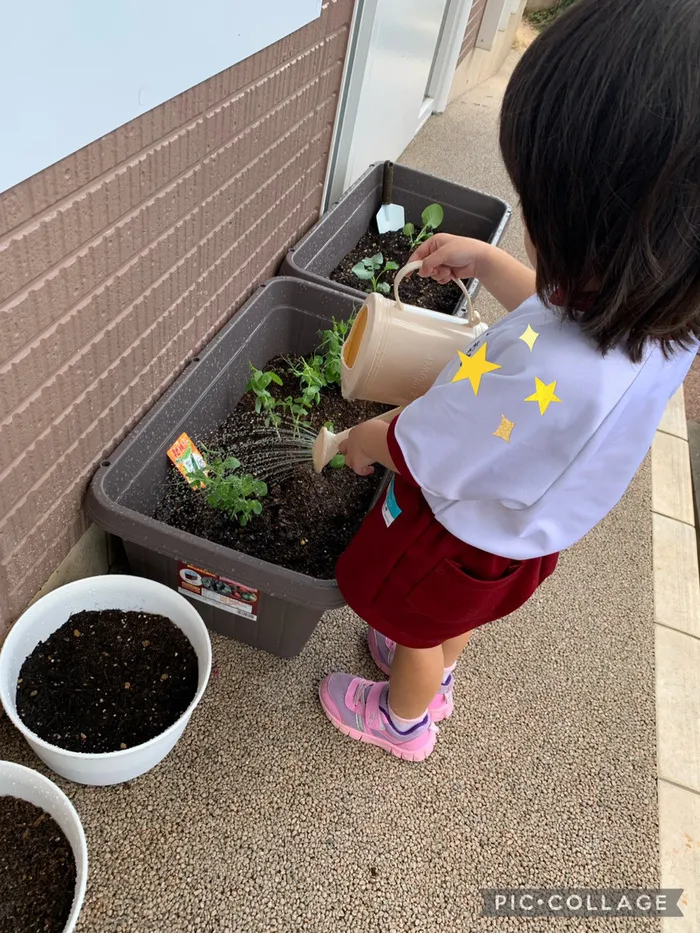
(372, 269)
(431, 218)
(331, 348)
(265, 403)
(311, 378)
(225, 488)
(297, 412)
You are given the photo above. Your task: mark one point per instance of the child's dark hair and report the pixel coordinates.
(600, 133)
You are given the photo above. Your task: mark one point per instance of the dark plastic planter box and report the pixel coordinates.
(467, 213)
(283, 316)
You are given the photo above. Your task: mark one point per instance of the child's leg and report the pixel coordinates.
(452, 649)
(416, 675)
(383, 650)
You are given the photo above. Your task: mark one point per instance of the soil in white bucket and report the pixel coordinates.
(37, 870)
(107, 680)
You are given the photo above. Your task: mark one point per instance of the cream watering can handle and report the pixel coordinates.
(474, 316)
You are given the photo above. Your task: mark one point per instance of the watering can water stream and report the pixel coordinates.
(394, 353)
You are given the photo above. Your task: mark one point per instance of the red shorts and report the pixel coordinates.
(413, 581)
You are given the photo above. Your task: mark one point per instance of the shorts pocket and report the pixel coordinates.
(449, 592)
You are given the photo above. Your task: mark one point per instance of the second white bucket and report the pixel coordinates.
(26, 784)
(48, 614)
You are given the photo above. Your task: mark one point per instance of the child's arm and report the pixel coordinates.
(367, 444)
(446, 257)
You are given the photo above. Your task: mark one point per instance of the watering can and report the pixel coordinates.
(394, 353)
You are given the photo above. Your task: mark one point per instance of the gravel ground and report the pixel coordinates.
(692, 392)
(264, 819)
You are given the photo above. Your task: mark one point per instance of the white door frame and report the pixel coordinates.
(356, 56)
(437, 93)
(449, 46)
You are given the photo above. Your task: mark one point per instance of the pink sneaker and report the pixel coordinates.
(382, 650)
(358, 708)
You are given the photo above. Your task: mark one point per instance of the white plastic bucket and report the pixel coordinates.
(21, 782)
(49, 613)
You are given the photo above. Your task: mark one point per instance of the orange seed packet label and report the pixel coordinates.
(186, 457)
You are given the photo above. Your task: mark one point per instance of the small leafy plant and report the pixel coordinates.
(431, 218)
(331, 348)
(296, 410)
(225, 488)
(265, 403)
(372, 269)
(310, 373)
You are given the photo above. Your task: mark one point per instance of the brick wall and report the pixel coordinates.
(120, 262)
(472, 31)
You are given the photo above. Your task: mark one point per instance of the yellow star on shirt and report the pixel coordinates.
(474, 367)
(529, 337)
(505, 429)
(543, 395)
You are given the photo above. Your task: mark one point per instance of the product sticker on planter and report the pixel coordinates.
(218, 591)
(186, 457)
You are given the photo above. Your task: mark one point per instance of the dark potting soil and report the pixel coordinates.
(307, 519)
(424, 293)
(107, 680)
(37, 870)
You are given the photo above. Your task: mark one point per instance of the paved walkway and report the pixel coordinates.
(265, 820)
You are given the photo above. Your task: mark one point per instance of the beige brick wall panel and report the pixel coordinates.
(121, 261)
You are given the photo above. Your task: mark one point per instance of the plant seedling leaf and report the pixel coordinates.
(384, 288)
(276, 379)
(337, 462)
(433, 216)
(409, 230)
(377, 261)
(361, 271)
(391, 266)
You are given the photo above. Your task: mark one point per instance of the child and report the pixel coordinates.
(526, 441)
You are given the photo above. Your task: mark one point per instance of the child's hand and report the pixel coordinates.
(446, 257)
(367, 444)
(356, 457)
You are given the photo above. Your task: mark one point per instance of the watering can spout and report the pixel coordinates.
(327, 444)
(325, 448)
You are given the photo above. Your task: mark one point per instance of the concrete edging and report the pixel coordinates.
(677, 649)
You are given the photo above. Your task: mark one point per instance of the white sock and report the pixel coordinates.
(403, 725)
(447, 674)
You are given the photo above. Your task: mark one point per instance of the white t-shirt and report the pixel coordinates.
(526, 441)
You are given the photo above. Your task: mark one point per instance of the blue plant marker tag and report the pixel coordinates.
(390, 509)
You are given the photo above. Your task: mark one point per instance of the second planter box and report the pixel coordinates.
(467, 213)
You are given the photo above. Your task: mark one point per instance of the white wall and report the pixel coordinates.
(73, 70)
